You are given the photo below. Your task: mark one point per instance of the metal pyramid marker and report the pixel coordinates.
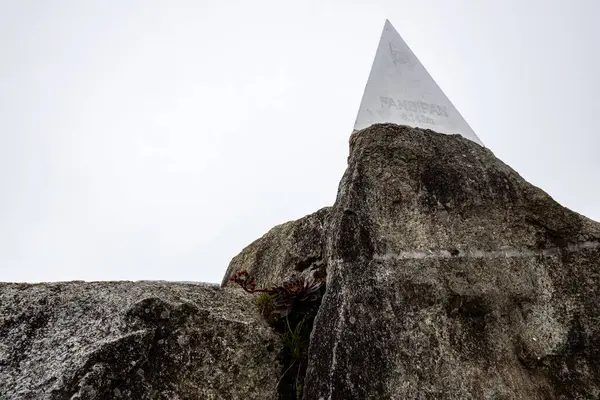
(401, 91)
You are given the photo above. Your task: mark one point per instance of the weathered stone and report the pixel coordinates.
(292, 248)
(448, 277)
(134, 340)
(451, 277)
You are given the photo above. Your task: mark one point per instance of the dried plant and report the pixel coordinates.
(266, 304)
(243, 279)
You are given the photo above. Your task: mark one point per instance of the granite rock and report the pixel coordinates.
(134, 341)
(448, 276)
(295, 247)
(451, 277)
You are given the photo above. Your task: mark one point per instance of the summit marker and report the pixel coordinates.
(401, 91)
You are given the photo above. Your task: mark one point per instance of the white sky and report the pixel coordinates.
(156, 139)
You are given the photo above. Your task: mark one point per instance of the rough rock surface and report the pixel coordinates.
(451, 277)
(135, 341)
(295, 247)
(448, 277)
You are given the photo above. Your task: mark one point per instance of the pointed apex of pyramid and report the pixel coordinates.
(401, 91)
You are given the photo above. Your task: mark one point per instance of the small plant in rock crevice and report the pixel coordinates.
(266, 304)
(297, 289)
(290, 309)
(294, 340)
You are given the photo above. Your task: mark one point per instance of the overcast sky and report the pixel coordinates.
(156, 139)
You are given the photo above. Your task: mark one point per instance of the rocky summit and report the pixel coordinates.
(451, 277)
(448, 276)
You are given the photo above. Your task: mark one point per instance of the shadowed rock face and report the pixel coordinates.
(451, 277)
(134, 341)
(295, 247)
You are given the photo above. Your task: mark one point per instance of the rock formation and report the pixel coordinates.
(134, 341)
(448, 276)
(295, 247)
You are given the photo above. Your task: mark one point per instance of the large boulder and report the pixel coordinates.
(135, 341)
(293, 248)
(451, 277)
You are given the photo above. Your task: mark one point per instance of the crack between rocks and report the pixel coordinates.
(338, 333)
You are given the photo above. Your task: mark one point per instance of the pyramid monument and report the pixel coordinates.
(401, 91)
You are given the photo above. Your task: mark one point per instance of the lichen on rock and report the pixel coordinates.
(134, 341)
(451, 277)
(448, 276)
(295, 247)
